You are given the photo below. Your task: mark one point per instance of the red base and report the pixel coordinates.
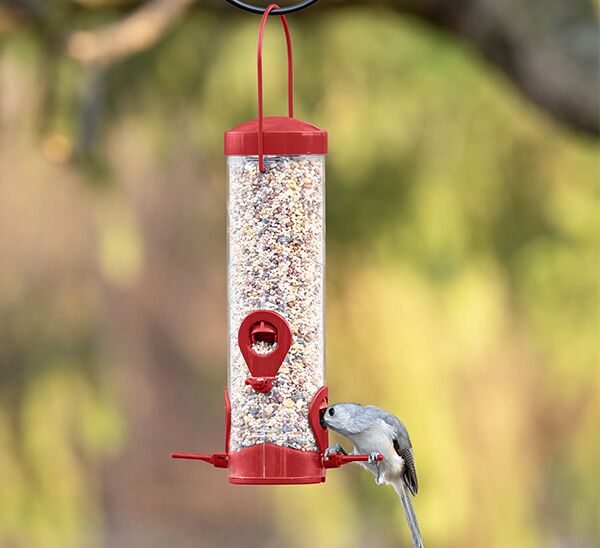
(271, 464)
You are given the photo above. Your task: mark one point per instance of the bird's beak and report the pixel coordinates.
(322, 418)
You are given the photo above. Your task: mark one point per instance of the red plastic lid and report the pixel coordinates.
(282, 135)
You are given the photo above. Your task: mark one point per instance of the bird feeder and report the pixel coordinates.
(276, 260)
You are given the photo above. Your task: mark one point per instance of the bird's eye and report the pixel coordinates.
(331, 411)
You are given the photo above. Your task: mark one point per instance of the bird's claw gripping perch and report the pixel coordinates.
(334, 449)
(374, 458)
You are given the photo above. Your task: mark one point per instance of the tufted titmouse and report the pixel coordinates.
(373, 430)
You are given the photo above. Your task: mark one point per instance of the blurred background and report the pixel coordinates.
(462, 277)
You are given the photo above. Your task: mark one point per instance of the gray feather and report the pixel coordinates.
(409, 512)
(403, 447)
(410, 472)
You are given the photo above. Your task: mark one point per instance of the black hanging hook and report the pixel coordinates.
(279, 11)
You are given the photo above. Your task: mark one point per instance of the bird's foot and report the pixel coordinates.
(374, 459)
(335, 448)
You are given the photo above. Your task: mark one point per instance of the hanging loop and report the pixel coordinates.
(288, 42)
(279, 11)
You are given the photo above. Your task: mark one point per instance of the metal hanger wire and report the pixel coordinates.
(279, 11)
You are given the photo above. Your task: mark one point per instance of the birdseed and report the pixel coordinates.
(264, 347)
(276, 262)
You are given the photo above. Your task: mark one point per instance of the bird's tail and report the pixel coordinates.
(409, 512)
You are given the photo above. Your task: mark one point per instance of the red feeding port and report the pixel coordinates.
(317, 406)
(270, 327)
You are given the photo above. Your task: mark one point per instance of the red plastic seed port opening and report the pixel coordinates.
(263, 332)
(264, 325)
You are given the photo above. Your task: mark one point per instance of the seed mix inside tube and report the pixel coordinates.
(276, 262)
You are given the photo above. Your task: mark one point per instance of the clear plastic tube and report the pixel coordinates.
(276, 250)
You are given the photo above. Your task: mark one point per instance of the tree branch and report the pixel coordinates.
(136, 32)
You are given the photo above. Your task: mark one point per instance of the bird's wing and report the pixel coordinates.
(403, 447)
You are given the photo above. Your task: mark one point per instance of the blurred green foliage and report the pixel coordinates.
(462, 276)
